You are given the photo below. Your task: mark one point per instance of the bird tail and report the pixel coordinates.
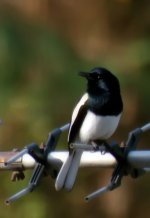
(73, 170)
(61, 177)
(68, 172)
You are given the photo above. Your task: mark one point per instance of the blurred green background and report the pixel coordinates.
(43, 45)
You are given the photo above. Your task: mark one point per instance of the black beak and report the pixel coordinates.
(84, 74)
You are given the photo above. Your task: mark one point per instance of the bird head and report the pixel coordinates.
(101, 80)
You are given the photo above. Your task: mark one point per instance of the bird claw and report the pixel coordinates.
(99, 147)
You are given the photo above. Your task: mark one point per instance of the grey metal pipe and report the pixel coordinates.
(138, 159)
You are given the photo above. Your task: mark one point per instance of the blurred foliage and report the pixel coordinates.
(43, 45)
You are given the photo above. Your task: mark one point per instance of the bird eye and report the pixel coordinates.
(96, 76)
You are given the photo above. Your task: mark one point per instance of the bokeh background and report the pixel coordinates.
(43, 45)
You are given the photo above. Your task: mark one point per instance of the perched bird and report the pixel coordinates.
(94, 119)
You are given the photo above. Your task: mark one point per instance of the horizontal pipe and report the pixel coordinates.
(24, 162)
(88, 159)
(138, 159)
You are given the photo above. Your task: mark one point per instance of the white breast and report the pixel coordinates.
(98, 127)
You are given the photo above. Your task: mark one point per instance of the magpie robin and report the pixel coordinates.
(94, 119)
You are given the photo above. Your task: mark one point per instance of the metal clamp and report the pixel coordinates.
(122, 168)
(40, 155)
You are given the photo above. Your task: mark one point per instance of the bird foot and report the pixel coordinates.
(99, 145)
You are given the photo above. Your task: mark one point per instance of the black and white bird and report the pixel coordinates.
(95, 118)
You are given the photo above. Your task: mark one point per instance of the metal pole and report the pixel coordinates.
(138, 159)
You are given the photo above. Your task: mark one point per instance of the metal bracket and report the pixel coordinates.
(40, 155)
(122, 169)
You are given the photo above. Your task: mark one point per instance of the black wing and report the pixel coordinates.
(75, 127)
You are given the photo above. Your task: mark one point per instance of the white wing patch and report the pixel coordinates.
(77, 108)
